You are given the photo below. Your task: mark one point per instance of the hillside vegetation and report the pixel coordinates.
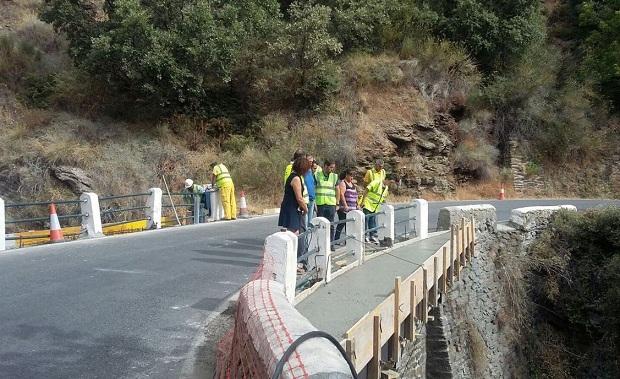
(129, 90)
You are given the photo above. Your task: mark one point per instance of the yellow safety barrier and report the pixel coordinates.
(40, 237)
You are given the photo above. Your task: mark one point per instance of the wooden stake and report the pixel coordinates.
(473, 236)
(452, 254)
(425, 296)
(412, 315)
(350, 349)
(374, 368)
(457, 265)
(444, 267)
(463, 246)
(435, 283)
(396, 336)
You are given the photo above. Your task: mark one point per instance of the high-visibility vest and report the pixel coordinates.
(326, 189)
(374, 175)
(377, 192)
(222, 176)
(287, 171)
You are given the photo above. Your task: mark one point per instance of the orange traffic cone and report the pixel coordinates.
(55, 231)
(502, 193)
(243, 207)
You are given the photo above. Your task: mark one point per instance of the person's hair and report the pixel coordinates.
(379, 162)
(344, 173)
(298, 154)
(213, 164)
(329, 162)
(301, 165)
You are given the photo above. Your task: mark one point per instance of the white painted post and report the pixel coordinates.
(281, 256)
(323, 257)
(91, 216)
(153, 212)
(2, 226)
(387, 220)
(217, 210)
(411, 225)
(421, 221)
(356, 229)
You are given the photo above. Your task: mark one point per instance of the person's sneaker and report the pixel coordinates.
(374, 240)
(366, 239)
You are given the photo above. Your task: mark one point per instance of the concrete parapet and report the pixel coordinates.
(535, 218)
(272, 325)
(421, 220)
(281, 257)
(387, 219)
(485, 216)
(356, 229)
(323, 258)
(91, 216)
(153, 212)
(2, 226)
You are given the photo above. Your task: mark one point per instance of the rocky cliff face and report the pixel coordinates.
(415, 142)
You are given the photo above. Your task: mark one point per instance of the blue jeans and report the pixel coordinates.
(310, 214)
(371, 222)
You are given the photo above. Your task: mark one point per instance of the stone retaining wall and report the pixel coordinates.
(484, 214)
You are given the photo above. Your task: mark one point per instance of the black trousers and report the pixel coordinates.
(329, 212)
(342, 215)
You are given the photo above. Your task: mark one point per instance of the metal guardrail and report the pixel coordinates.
(405, 221)
(56, 202)
(114, 197)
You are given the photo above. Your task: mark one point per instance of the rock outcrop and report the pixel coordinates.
(74, 178)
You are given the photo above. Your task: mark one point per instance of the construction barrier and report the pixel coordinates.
(267, 323)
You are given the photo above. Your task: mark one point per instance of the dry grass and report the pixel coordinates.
(477, 350)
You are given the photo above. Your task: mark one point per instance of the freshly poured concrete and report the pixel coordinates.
(337, 306)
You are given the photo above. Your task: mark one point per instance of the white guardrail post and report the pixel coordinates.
(356, 230)
(281, 254)
(421, 218)
(323, 257)
(153, 212)
(2, 226)
(91, 216)
(217, 210)
(387, 219)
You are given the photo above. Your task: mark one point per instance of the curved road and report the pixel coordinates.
(131, 306)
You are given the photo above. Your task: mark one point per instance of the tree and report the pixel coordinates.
(171, 55)
(307, 49)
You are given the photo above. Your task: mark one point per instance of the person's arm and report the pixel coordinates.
(298, 190)
(214, 176)
(342, 187)
(367, 177)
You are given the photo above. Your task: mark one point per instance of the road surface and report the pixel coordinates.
(131, 306)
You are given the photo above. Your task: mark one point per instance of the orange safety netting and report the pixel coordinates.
(259, 337)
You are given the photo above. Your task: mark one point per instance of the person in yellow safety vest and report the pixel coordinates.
(327, 193)
(221, 178)
(289, 168)
(375, 195)
(376, 173)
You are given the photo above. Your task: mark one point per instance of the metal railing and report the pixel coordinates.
(307, 247)
(408, 231)
(346, 237)
(123, 209)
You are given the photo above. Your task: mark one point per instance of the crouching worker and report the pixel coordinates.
(221, 178)
(193, 190)
(375, 195)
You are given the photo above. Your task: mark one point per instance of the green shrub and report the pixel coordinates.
(575, 280)
(475, 158)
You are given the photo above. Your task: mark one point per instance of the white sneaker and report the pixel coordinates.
(367, 239)
(374, 240)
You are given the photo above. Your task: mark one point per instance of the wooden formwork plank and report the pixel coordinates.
(457, 264)
(473, 236)
(444, 270)
(435, 282)
(452, 256)
(374, 369)
(425, 296)
(412, 308)
(463, 244)
(397, 311)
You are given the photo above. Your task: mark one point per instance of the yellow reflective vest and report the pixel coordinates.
(326, 188)
(376, 195)
(222, 176)
(372, 175)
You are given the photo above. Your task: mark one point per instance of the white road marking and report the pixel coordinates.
(120, 271)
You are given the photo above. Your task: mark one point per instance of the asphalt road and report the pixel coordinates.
(132, 306)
